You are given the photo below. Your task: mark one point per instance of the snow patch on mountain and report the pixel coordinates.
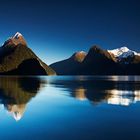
(17, 35)
(123, 52)
(15, 40)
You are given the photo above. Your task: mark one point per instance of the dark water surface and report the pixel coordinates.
(70, 108)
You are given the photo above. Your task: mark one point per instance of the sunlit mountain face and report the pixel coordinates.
(16, 58)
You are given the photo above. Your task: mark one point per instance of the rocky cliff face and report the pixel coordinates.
(17, 59)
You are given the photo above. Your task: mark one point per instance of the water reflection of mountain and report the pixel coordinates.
(16, 92)
(97, 91)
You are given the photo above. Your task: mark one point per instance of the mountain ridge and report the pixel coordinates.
(98, 61)
(71, 64)
(17, 59)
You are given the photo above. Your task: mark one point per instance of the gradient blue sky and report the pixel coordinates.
(55, 29)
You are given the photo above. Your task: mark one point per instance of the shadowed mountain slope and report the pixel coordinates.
(120, 61)
(69, 66)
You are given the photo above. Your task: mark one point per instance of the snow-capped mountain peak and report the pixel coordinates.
(123, 52)
(17, 35)
(15, 40)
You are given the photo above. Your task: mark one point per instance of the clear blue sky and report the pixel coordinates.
(55, 29)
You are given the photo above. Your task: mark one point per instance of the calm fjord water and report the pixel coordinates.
(68, 107)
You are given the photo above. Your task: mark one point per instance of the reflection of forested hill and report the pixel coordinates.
(96, 91)
(16, 92)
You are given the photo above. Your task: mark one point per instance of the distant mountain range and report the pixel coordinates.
(17, 59)
(97, 61)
